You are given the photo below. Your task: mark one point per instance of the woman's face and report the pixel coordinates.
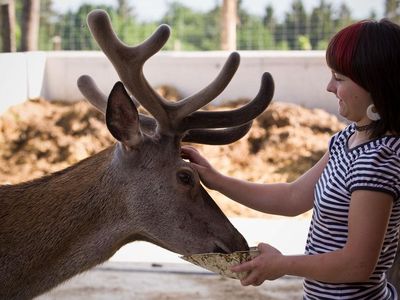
(353, 99)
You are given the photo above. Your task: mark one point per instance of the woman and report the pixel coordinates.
(353, 190)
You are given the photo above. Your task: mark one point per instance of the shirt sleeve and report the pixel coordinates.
(377, 170)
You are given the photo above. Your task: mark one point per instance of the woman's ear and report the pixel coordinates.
(122, 117)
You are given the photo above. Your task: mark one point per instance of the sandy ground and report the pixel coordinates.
(167, 281)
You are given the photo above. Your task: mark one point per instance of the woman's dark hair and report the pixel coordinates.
(368, 52)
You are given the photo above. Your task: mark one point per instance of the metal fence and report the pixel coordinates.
(193, 30)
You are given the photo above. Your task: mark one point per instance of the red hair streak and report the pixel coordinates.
(342, 49)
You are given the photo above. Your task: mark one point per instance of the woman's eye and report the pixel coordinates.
(185, 178)
(337, 77)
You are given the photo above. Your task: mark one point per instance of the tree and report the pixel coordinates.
(192, 30)
(392, 10)
(8, 26)
(269, 20)
(253, 33)
(82, 39)
(49, 38)
(30, 25)
(321, 25)
(296, 23)
(125, 21)
(124, 10)
(211, 38)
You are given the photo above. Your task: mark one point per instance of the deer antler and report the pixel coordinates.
(89, 89)
(181, 118)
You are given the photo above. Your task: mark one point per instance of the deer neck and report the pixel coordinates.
(57, 226)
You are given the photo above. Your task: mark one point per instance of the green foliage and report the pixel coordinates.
(321, 24)
(282, 45)
(296, 23)
(304, 42)
(322, 45)
(192, 30)
(253, 35)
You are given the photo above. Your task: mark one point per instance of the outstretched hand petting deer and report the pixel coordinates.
(57, 226)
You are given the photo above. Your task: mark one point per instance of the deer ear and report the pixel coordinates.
(122, 117)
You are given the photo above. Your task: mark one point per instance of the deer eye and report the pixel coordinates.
(185, 177)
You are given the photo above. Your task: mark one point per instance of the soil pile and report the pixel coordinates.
(39, 137)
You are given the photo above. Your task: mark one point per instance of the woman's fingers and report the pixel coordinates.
(244, 267)
(251, 279)
(194, 156)
(190, 153)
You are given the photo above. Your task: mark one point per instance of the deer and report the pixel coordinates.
(139, 189)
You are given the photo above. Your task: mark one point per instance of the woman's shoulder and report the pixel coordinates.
(389, 144)
(377, 166)
(383, 151)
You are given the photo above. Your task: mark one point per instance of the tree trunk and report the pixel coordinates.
(228, 32)
(30, 25)
(8, 26)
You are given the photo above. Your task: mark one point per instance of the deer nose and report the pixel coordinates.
(220, 248)
(238, 245)
(241, 244)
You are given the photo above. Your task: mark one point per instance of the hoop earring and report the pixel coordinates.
(373, 116)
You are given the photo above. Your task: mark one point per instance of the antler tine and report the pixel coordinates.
(217, 136)
(236, 117)
(129, 61)
(92, 93)
(210, 92)
(100, 26)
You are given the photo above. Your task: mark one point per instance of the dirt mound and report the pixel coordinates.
(39, 137)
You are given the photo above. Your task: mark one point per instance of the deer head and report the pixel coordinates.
(168, 205)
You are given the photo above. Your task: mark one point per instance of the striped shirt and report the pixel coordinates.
(374, 165)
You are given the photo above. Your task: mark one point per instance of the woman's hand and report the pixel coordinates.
(207, 173)
(265, 266)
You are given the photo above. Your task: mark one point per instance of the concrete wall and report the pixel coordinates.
(300, 76)
(21, 77)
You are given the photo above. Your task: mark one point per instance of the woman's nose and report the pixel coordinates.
(331, 87)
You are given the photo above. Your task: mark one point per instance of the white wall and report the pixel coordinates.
(300, 76)
(21, 77)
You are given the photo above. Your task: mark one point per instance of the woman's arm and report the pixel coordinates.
(368, 219)
(288, 199)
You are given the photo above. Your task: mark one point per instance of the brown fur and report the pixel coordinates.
(47, 227)
(55, 227)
